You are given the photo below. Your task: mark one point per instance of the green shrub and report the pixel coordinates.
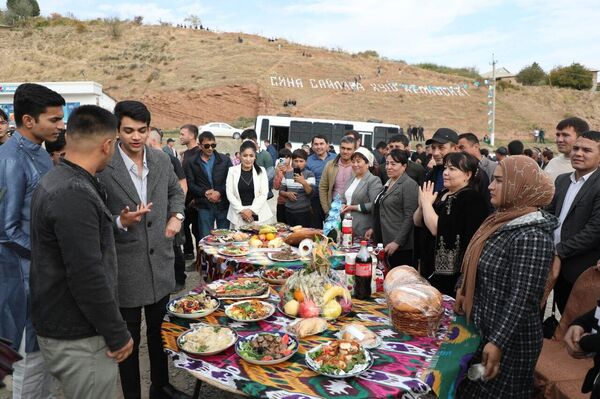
(532, 75)
(575, 76)
(466, 72)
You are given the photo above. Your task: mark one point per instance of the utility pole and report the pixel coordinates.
(492, 103)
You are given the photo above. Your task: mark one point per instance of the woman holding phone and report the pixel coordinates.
(247, 188)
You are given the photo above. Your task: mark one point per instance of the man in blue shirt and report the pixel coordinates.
(23, 162)
(316, 163)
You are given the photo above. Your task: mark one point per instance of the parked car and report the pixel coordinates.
(221, 129)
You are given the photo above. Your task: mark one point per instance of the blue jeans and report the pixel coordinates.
(207, 218)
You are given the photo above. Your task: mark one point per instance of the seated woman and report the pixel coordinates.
(505, 269)
(393, 211)
(451, 216)
(247, 188)
(361, 192)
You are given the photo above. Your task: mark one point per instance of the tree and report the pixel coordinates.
(532, 75)
(19, 9)
(193, 20)
(575, 76)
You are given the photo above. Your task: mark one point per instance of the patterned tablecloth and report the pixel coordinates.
(215, 266)
(405, 367)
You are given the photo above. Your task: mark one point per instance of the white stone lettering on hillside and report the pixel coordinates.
(354, 86)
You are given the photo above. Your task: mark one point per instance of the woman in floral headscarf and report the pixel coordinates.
(505, 269)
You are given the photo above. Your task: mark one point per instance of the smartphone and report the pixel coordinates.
(297, 171)
(280, 161)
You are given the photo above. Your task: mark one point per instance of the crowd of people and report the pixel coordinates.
(90, 241)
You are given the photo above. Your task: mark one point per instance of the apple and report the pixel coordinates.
(308, 309)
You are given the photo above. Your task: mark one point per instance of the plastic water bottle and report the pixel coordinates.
(347, 231)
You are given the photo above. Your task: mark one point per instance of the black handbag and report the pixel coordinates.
(550, 324)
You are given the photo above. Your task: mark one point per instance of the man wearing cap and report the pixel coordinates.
(445, 141)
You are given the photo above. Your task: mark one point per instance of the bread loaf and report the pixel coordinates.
(415, 309)
(297, 236)
(402, 275)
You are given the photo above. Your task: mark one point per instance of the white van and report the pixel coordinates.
(281, 129)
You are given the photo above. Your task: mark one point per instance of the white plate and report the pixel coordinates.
(194, 315)
(293, 323)
(215, 284)
(272, 257)
(358, 369)
(266, 304)
(377, 343)
(181, 338)
(293, 345)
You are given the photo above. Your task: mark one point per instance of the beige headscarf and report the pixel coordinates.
(525, 188)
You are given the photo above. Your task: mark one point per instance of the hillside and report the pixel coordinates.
(197, 76)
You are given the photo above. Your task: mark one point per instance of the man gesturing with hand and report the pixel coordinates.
(135, 176)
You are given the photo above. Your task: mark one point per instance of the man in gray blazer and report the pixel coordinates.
(141, 179)
(576, 203)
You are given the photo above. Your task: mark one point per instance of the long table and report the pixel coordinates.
(405, 366)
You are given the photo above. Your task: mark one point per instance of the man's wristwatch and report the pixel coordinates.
(180, 216)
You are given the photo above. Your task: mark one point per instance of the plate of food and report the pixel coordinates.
(251, 227)
(233, 251)
(306, 327)
(249, 310)
(276, 275)
(267, 348)
(239, 288)
(361, 334)
(233, 237)
(285, 255)
(339, 359)
(221, 232)
(206, 340)
(193, 305)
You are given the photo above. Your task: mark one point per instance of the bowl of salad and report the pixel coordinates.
(267, 348)
(193, 305)
(249, 310)
(339, 359)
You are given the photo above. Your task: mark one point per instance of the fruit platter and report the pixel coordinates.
(266, 237)
(206, 340)
(239, 288)
(276, 275)
(250, 310)
(267, 348)
(193, 305)
(339, 359)
(315, 291)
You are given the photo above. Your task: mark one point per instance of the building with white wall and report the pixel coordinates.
(74, 93)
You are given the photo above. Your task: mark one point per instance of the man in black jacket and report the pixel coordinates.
(74, 265)
(206, 174)
(576, 203)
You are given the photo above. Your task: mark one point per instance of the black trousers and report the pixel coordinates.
(297, 218)
(400, 258)
(179, 265)
(562, 290)
(191, 220)
(318, 215)
(129, 369)
(281, 213)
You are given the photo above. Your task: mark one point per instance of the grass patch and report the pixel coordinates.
(465, 72)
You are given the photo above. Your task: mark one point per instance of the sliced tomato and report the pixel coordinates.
(286, 352)
(285, 339)
(265, 358)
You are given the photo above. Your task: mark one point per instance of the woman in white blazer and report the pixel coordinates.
(247, 188)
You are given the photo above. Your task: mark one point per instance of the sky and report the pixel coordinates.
(456, 33)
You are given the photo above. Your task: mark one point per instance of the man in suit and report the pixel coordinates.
(576, 203)
(140, 177)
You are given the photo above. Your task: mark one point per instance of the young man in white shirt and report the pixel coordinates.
(567, 132)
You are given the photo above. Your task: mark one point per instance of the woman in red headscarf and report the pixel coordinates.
(504, 273)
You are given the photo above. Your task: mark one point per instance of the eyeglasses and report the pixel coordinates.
(207, 146)
(3, 122)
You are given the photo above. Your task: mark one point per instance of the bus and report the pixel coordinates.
(281, 129)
